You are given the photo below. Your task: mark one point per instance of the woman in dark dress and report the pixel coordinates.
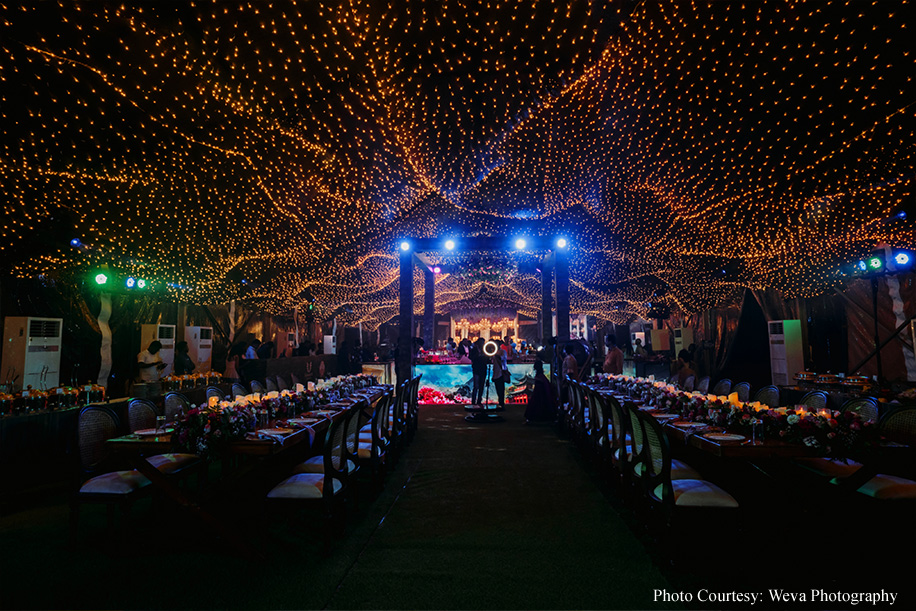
(542, 406)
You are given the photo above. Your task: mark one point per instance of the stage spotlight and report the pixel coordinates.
(76, 243)
(405, 245)
(101, 278)
(875, 263)
(520, 244)
(450, 245)
(141, 283)
(490, 348)
(903, 259)
(862, 266)
(561, 243)
(437, 270)
(131, 282)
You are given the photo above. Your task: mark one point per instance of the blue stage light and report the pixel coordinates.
(405, 245)
(520, 244)
(450, 244)
(862, 266)
(561, 243)
(76, 243)
(903, 259)
(131, 282)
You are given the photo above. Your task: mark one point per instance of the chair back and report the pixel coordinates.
(294, 379)
(398, 419)
(141, 414)
(637, 437)
(815, 400)
(174, 403)
(354, 418)
(656, 459)
(769, 396)
(899, 426)
(866, 407)
(689, 383)
(282, 384)
(380, 419)
(238, 390)
(335, 459)
(597, 410)
(271, 385)
(213, 391)
(412, 416)
(744, 391)
(96, 425)
(722, 387)
(703, 385)
(257, 387)
(672, 379)
(620, 425)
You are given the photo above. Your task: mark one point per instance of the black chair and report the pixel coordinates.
(97, 483)
(213, 391)
(866, 407)
(326, 490)
(702, 385)
(689, 383)
(374, 441)
(141, 414)
(398, 420)
(271, 385)
(238, 390)
(412, 415)
(173, 404)
(768, 395)
(722, 387)
(815, 401)
(257, 387)
(282, 384)
(744, 391)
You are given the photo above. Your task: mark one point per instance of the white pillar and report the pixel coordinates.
(104, 317)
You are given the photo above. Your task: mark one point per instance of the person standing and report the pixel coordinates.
(500, 376)
(252, 352)
(478, 371)
(150, 362)
(613, 360)
(570, 369)
(183, 363)
(541, 404)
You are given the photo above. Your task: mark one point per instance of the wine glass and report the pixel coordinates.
(160, 423)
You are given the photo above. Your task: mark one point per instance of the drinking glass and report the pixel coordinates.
(160, 423)
(262, 419)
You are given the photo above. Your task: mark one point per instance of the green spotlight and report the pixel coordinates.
(101, 278)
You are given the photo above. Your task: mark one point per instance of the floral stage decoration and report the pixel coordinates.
(831, 432)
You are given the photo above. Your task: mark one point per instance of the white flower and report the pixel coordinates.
(792, 418)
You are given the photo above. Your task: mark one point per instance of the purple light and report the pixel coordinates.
(437, 270)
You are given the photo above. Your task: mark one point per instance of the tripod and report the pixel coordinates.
(480, 414)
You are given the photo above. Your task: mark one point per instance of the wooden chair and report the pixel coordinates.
(325, 490)
(669, 496)
(173, 404)
(282, 384)
(272, 385)
(412, 410)
(744, 391)
(96, 483)
(703, 385)
(768, 395)
(294, 379)
(620, 439)
(141, 414)
(598, 429)
(213, 391)
(815, 401)
(238, 390)
(398, 420)
(689, 383)
(257, 387)
(722, 387)
(866, 407)
(374, 441)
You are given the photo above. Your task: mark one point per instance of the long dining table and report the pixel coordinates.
(267, 444)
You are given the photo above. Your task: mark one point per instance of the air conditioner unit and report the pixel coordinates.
(200, 347)
(787, 354)
(291, 340)
(31, 352)
(683, 337)
(330, 344)
(165, 334)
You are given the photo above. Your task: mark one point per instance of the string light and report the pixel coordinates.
(288, 142)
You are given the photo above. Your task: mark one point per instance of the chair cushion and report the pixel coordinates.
(315, 464)
(698, 493)
(303, 486)
(889, 487)
(117, 482)
(830, 467)
(681, 470)
(172, 462)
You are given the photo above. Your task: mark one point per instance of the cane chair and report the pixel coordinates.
(238, 390)
(282, 384)
(213, 391)
(815, 401)
(96, 482)
(620, 439)
(599, 426)
(641, 452)
(353, 422)
(141, 414)
(397, 424)
(703, 385)
(294, 379)
(374, 441)
(722, 387)
(174, 404)
(412, 413)
(325, 490)
(257, 387)
(667, 494)
(768, 395)
(271, 385)
(866, 407)
(689, 383)
(744, 391)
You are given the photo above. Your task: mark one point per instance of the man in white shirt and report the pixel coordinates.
(252, 352)
(150, 362)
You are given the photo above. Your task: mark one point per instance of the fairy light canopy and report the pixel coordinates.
(267, 150)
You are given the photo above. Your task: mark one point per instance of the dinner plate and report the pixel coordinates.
(687, 425)
(724, 437)
(153, 432)
(665, 416)
(275, 431)
(322, 412)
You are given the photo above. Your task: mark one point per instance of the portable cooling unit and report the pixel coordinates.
(31, 351)
(200, 347)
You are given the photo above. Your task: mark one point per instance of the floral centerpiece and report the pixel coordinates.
(206, 432)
